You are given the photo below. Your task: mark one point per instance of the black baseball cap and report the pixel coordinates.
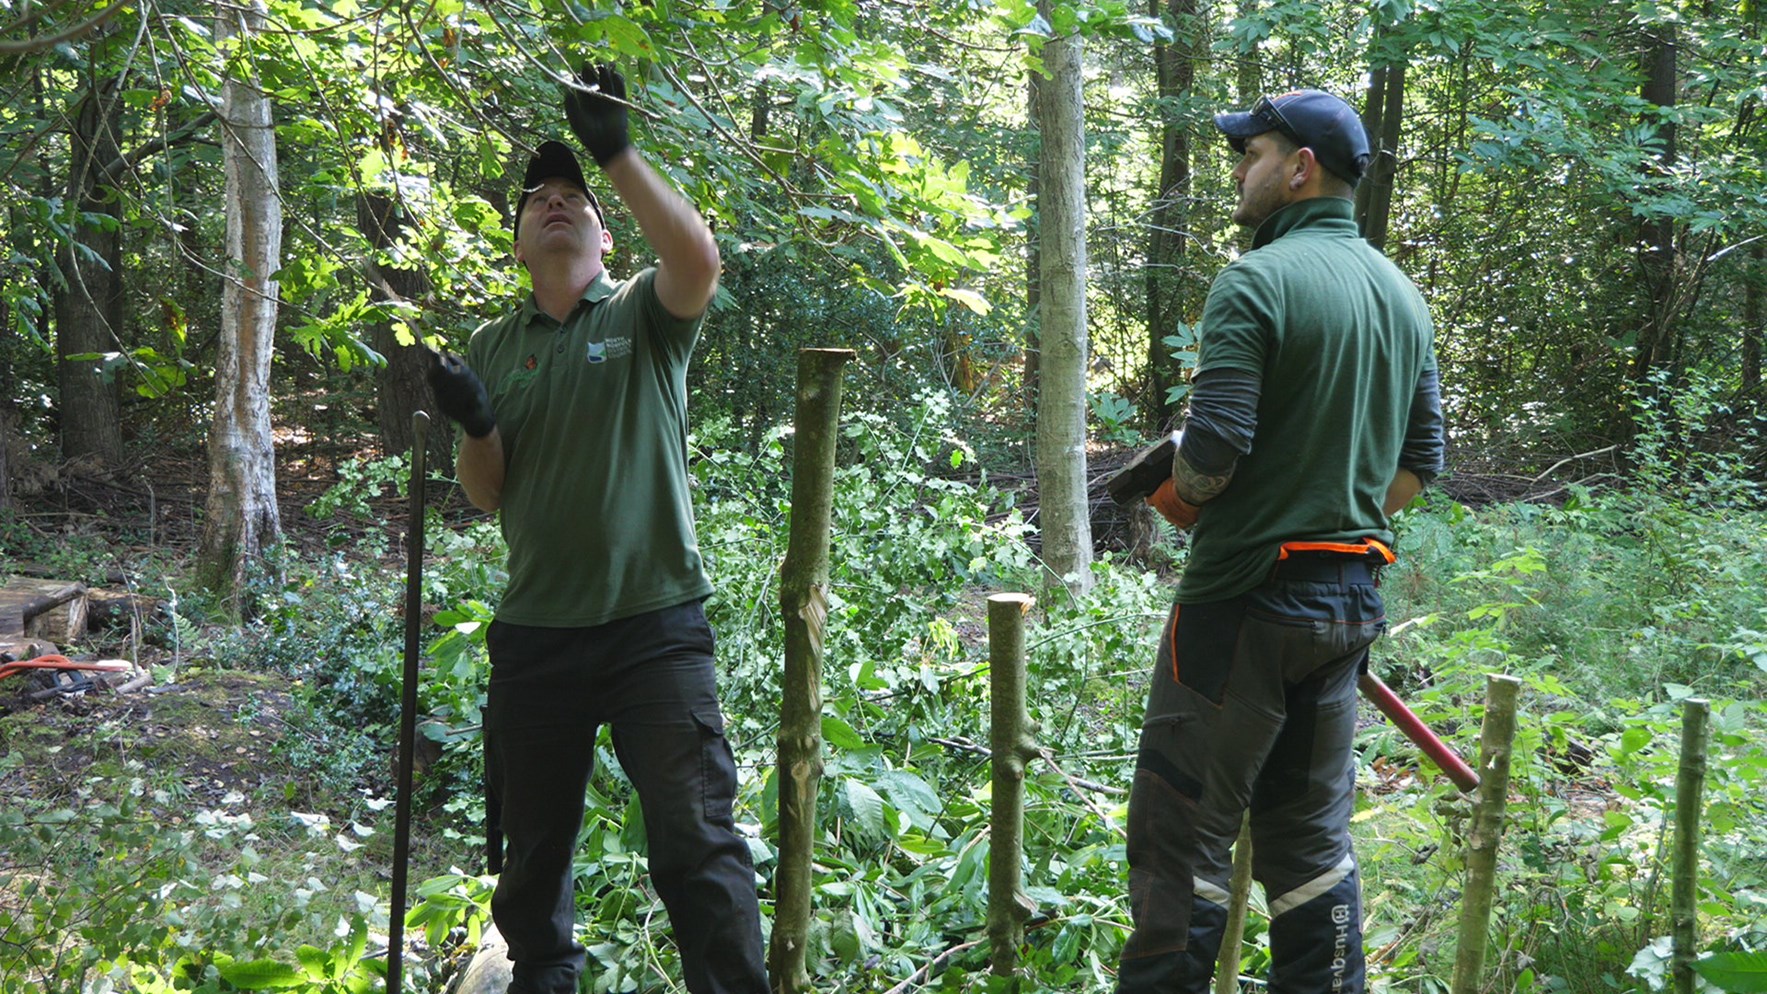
(553, 160)
(1311, 119)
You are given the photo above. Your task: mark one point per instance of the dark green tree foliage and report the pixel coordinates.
(863, 164)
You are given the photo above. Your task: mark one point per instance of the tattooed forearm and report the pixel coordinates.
(1194, 487)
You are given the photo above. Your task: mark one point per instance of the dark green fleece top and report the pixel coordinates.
(1337, 337)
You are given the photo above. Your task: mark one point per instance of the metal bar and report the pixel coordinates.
(1438, 751)
(408, 703)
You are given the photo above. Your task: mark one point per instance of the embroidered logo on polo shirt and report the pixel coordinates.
(613, 348)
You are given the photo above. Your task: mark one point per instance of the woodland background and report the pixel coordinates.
(226, 227)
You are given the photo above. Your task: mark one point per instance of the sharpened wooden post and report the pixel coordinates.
(1690, 782)
(1496, 737)
(1240, 894)
(1012, 747)
(803, 603)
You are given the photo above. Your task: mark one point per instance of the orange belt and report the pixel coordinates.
(1366, 547)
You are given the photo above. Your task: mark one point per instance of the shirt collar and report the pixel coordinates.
(599, 289)
(1305, 213)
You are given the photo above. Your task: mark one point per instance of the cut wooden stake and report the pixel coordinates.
(1690, 783)
(1240, 894)
(1496, 738)
(1012, 747)
(803, 603)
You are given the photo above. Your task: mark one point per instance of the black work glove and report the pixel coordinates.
(461, 394)
(599, 118)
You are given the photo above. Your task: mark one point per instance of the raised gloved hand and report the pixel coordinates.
(596, 109)
(460, 394)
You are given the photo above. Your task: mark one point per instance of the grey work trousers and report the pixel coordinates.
(1253, 704)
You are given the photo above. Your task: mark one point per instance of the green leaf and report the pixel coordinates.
(968, 298)
(866, 806)
(921, 845)
(1738, 973)
(261, 975)
(840, 734)
(911, 795)
(314, 961)
(1633, 740)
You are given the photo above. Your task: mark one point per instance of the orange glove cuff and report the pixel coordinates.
(1172, 507)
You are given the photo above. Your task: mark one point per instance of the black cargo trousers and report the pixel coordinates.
(1253, 704)
(651, 678)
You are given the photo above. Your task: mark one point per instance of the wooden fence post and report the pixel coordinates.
(1690, 781)
(1495, 740)
(803, 603)
(1012, 747)
(1239, 897)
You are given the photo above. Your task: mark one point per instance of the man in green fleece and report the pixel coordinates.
(1315, 414)
(574, 409)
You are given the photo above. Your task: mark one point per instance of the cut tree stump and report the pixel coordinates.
(51, 609)
(113, 608)
(490, 969)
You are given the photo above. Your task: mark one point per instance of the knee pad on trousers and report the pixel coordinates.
(1316, 945)
(1190, 970)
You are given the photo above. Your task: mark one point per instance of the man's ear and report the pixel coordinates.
(1306, 167)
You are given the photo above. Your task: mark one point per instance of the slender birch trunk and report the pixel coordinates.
(242, 518)
(1063, 511)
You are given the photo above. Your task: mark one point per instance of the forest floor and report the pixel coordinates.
(203, 737)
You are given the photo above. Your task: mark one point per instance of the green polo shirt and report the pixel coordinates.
(1338, 337)
(593, 418)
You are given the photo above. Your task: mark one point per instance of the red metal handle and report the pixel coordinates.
(1438, 751)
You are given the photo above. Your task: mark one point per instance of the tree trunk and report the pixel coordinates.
(402, 385)
(803, 603)
(1753, 319)
(1175, 70)
(1064, 517)
(1248, 79)
(1656, 237)
(89, 306)
(8, 407)
(1248, 82)
(242, 519)
(1383, 118)
(1033, 263)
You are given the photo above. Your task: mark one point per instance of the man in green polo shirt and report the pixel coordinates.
(1314, 416)
(574, 409)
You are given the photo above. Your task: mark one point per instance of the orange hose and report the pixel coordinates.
(55, 661)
